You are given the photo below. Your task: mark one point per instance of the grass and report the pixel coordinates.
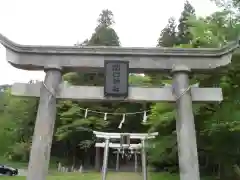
(13, 164)
(110, 176)
(97, 176)
(84, 176)
(53, 175)
(22, 165)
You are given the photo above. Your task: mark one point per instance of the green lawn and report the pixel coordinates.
(89, 176)
(22, 165)
(97, 176)
(13, 164)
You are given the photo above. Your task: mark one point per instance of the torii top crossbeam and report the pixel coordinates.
(141, 136)
(118, 146)
(89, 58)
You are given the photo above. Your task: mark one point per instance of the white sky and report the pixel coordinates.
(64, 22)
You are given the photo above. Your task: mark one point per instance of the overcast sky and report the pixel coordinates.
(64, 22)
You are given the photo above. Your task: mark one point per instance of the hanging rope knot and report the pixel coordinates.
(48, 89)
(51, 91)
(183, 91)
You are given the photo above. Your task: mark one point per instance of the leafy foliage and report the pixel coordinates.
(168, 34)
(184, 36)
(217, 124)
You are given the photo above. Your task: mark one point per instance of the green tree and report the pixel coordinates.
(72, 126)
(184, 36)
(168, 36)
(217, 124)
(104, 35)
(17, 124)
(221, 122)
(106, 18)
(73, 129)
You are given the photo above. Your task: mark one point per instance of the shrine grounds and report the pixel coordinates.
(97, 176)
(54, 175)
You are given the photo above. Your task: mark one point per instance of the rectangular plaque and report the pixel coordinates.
(116, 78)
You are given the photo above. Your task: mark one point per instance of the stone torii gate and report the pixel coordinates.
(55, 59)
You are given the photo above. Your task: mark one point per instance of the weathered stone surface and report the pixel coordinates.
(44, 127)
(89, 58)
(185, 128)
(88, 93)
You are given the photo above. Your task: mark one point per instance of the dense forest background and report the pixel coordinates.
(217, 124)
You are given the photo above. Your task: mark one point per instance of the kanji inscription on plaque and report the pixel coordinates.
(116, 78)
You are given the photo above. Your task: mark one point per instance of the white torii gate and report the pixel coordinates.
(118, 146)
(140, 136)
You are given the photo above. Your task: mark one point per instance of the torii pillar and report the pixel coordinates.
(97, 159)
(178, 61)
(185, 127)
(44, 125)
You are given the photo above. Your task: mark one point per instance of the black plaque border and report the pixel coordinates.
(106, 94)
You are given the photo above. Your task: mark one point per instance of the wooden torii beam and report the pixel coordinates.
(55, 59)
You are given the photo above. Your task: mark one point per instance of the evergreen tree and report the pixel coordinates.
(106, 18)
(168, 34)
(72, 121)
(104, 35)
(184, 36)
